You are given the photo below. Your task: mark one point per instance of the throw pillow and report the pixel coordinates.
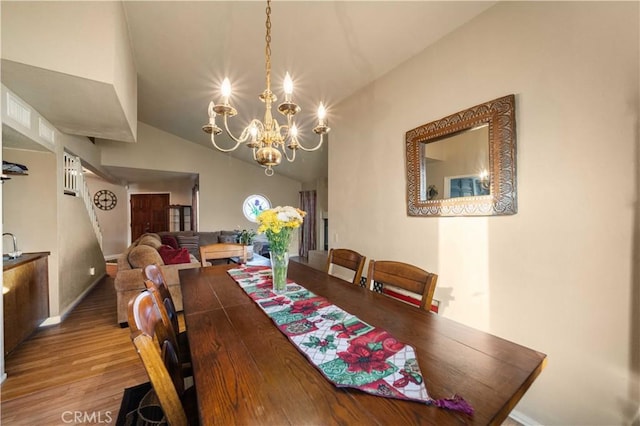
(191, 243)
(172, 256)
(207, 238)
(142, 255)
(169, 240)
(227, 239)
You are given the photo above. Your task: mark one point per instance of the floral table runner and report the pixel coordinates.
(348, 351)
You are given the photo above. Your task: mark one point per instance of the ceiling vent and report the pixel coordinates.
(45, 132)
(18, 111)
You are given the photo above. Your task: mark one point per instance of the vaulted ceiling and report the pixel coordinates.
(183, 49)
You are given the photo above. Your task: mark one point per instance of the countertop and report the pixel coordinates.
(25, 258)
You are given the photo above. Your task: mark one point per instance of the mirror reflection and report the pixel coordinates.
(464, 164)
(457, 166)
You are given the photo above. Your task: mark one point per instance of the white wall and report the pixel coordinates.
(113, 223)
(89, 40)
(44, 219)
(557, 276)
(78, 248)
(225, 182)
(42, 216)
(29, 20)
(123, 65)
(29, 209)
(78, 251)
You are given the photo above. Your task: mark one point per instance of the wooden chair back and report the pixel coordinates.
(164, 305)
(387, 277)
(347, 259)
(146, 315)
(154, 273)
(155, 279)
(223, 251)
(159, 356)
(156, 282)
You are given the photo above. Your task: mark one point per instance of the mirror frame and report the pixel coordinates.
(499, 115)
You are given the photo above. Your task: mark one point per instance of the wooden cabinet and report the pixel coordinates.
(180, 218)
(26, 297)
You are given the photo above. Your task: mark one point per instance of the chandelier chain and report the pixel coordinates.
(267, 50)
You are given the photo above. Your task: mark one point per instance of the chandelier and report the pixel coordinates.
(267, 139)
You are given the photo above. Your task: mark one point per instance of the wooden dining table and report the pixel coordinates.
(247, 372)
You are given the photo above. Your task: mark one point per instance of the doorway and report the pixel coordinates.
(149, 213)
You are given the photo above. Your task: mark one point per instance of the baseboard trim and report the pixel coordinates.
(51, 321)
(57, 319)
(523, 419)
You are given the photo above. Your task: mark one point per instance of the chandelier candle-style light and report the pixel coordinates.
(266, 138)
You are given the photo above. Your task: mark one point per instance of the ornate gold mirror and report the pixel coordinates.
(464, 164)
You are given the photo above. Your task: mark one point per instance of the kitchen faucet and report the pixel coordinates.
(15, 253)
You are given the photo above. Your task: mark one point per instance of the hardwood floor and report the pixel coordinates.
(74, 372)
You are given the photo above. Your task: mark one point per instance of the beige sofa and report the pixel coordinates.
(129, 280)
(130, 277)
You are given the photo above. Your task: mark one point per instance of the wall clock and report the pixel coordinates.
(105, 199)
(254, 205)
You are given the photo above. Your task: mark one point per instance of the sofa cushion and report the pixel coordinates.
(207, 238)
(151, 241)
(171, 256)
(143, 255)
(191, 243)
(227, 239)
(148, 234)
(170, 241)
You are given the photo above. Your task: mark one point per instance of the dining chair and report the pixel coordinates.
(159, 357)
(154, 274)
(181, 344)
(347, 259)
(223, 251)
(170, 320)
(402, 281)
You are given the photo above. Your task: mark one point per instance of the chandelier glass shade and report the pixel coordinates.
(267, 139)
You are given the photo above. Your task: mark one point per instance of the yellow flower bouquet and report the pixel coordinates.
(277, 224)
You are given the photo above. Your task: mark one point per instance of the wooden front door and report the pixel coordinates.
(149, 213)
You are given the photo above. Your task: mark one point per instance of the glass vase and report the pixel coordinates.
(249, 251)
(279, 265)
